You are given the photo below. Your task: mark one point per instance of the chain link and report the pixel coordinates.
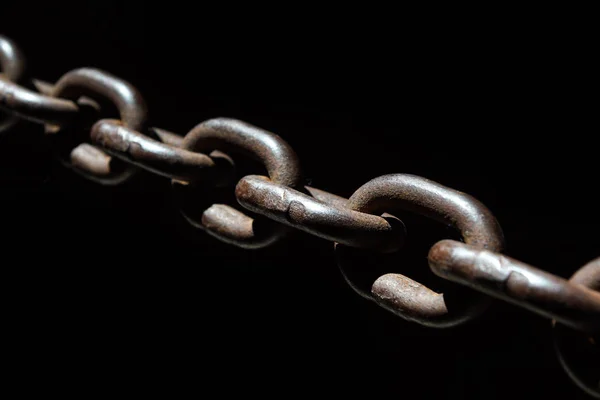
(579, 351)
(115, 150)
(397, 293)
(12, 69)
(154, 155)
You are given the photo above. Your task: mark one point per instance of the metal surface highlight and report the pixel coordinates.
(476, 224)
(281, 162)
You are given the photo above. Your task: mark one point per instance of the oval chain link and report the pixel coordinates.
(517, 283)
(281, 162)
(397, 293)
(88, 160)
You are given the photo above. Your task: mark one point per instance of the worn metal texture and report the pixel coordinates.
(578, 352)
(328, 221)
(400, 294)
(132, 109)
(518, 283)
(12, 60)
(161, 158)
(36, 107)
(12, 68)
(238, 137)
(281, 162)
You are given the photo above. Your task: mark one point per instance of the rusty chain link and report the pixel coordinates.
(472, 219)
(112, 151)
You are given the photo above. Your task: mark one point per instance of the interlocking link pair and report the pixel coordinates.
(112, 151)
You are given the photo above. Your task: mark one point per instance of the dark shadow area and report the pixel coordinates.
(108, 285)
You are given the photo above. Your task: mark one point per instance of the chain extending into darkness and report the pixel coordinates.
(116, 150)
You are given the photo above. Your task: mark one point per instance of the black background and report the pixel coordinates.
(109, 286)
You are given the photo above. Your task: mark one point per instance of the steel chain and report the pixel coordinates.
(115, 150)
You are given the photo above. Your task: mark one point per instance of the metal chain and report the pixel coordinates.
(114, 151)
